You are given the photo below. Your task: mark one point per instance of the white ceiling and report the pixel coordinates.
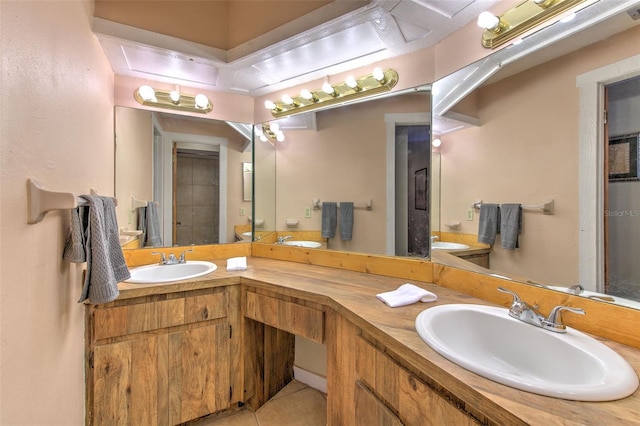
(382, 29)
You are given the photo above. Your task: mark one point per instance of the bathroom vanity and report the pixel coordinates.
(166, 354)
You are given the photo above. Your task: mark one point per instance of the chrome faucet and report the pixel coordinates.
(172, 259)
(522, 311)
(283, 239)
(434, 237)
(575, 289)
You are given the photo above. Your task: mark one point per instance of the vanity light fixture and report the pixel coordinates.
(520, 19)
(378, 81)
(147, 95)
(270, 132)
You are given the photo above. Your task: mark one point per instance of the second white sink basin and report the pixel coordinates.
(443, 245)
(164, 273)
(307, 244)
(488, 342)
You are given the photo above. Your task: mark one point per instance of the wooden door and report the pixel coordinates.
(199, 376)
(130, 382)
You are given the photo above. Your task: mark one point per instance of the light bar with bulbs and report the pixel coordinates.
(520, 19)
(270, 132)
(352, 88)
(147, 95)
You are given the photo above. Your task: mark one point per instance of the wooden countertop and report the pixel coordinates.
(352, 294)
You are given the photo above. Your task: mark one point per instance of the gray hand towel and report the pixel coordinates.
(153, 238)
(489, 223)
(329, 219)
(106, 266)
(346, 220)
(142, 225)
(510, 225)
(74, 248)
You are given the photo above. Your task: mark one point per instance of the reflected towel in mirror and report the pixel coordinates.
(329, 219)
(346, 220)
(510, 225)
(489, 223)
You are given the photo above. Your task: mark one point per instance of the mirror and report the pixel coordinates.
(364, 153)
(523, 138)
(205, 189)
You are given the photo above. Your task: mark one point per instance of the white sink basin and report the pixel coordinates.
(442, 245)
(488, 342)
(164, 273)
(307, 244)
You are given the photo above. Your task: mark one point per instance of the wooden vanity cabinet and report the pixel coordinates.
(163, 359)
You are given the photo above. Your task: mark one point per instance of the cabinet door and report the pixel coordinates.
(130, 382)
(199, 377)
(370, 411)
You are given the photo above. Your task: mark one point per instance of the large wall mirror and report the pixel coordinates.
(194, 173)
(374, 154)
(530, 133)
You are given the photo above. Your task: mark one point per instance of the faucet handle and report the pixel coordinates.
(554, 320)
(164, 259)
(516, 298)
(182, 255)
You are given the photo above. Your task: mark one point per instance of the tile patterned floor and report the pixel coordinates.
(295, 405)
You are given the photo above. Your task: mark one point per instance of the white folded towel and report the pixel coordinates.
(237, 264)
(406, 294)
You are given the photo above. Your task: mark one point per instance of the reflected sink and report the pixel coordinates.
(164, 273)
(307, 244)
(442, 245)
(490, 343)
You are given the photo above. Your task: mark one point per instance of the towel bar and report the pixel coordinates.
(135, 203)
(40, 201)
(546, 207)
(367, 205)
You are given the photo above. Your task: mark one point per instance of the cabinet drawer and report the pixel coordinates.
(412, 400)
(291, 317)
(141, 317)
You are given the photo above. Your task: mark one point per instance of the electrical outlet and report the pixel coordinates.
(241, 211)
(470, 214)
(307, 212)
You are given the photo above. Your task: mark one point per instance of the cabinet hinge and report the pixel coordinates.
(230, 331)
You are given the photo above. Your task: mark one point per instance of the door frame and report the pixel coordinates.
(591, 221)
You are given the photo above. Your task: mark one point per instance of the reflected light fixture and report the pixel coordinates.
(520, 19)
(378, 81)
(175, 99)
(270, 132)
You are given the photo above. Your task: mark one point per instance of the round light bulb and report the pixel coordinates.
(280, 137)
(146, 92)
(287, 99)
(436, 143)
(274, 127)
(269, 104)
(328, 88)
(306, 94)
(175, 96)
(263, 138)
(351, 82)
(202, 101)
(378, 74)
(488, 21)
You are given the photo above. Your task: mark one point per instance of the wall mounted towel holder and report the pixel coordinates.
(367, 205)
(135, 203)
(547, 207)
(40, 201)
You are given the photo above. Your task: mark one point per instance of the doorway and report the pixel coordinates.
(622, 181)
(196, 196)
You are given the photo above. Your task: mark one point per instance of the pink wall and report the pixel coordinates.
(57, 127)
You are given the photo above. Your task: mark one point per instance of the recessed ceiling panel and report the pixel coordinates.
(411, 31)
(340, 47)
(446, 8)
(170, 64)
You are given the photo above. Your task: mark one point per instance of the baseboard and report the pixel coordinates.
(310, 379)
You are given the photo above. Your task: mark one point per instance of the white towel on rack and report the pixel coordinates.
(406, 294)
